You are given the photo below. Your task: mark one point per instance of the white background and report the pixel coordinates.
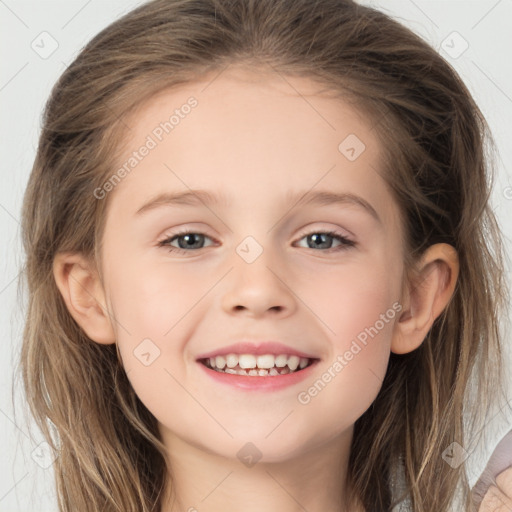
(25, 82)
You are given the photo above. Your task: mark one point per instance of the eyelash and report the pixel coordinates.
(345, 242)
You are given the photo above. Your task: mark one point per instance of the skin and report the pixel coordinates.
(255, 139)
(493, 491)
(498, 497)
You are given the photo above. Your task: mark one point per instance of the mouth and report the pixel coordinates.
(250, 365)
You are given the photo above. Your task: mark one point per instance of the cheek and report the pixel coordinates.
(157, 309)
(354, 301)
(362, 318)
(358, 309)
(151, 308)
(149, 300)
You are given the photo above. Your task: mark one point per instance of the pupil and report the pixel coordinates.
(190, 239)
(315, 235)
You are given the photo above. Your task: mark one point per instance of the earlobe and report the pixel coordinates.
(426, 297)
(83, 294)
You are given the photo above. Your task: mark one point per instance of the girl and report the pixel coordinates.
(263, 270)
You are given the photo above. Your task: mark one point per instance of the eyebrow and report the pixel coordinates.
(197, 197)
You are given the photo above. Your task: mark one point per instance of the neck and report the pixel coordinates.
(201, 481)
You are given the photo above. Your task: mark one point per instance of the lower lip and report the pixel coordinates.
(257, 383)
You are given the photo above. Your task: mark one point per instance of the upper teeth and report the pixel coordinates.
(266, 361)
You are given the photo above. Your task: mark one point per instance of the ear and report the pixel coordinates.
(81, 288)
(426, 297)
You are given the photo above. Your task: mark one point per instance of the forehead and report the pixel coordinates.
(251, 135)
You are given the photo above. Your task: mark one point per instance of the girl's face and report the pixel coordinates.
(267, 157)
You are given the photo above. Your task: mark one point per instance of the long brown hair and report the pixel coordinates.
(110, 455)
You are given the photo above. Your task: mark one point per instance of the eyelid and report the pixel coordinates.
(185, 231)
(334, 231)
(345, 241)
(303, 233)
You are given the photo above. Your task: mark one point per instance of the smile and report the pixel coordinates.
(249, 365)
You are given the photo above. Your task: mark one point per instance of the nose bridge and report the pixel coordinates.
(255, 284)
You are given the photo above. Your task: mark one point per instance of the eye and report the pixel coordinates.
(186, 240)
(189, 240)
(317, 239)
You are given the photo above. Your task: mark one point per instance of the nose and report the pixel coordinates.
(257, 288)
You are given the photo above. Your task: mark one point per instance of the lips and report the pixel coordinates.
(249, 381)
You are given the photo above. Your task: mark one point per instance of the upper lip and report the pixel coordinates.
(257, 348)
